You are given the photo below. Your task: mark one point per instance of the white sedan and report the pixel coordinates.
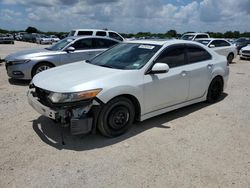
(245, 52)
(134, 80)
(221, 46)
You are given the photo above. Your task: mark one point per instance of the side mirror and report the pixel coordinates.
(159, 68)
(70, 49)
(211, 46)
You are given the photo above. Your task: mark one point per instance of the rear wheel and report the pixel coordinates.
(230, 58)
(215, 90)
(41, 67)
(116, 117)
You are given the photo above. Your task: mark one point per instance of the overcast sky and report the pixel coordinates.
(128, 16)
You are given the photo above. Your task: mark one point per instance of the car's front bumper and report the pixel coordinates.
(80, 119)
(19, 71)
(245, 55)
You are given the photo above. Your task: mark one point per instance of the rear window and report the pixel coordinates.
(85, 33)
(115, 36)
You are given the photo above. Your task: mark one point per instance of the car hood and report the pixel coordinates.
(79, 76)
(29, 54)
(246, 48)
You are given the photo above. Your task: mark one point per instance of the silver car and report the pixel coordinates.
(25, 64)
(135, 80)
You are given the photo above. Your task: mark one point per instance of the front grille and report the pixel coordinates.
(42, 96)
(246, 51)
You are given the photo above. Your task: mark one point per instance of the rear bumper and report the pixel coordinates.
(81, 120)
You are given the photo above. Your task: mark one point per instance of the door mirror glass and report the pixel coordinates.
(159, 68)
(211, 46)
(70, 49)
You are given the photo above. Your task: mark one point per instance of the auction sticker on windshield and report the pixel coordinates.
(149, 47)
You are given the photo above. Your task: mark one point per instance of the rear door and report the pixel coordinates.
(200, 68)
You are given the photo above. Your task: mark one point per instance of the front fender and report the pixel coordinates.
(111, 93)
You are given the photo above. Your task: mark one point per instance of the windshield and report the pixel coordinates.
(187, 37)
(60, 45)
(205, 42)
(126, 56)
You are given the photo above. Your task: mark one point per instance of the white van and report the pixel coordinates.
(96, 32)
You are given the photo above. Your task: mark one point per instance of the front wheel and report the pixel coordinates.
(116, 117)
(230, 58)
(41, 67)
(215, 90)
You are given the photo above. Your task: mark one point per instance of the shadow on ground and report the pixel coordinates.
(19, 82)
(50, 133)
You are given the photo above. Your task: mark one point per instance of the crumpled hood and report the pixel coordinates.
(29, 54)
(74, 77)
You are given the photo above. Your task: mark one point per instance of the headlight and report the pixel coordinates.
(20, 61)
(73, 97)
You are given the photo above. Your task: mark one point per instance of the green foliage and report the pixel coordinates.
(31, 30)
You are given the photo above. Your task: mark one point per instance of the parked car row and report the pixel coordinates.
(6, 39)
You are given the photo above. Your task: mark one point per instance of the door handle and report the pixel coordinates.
(184, 73)
(210, 66)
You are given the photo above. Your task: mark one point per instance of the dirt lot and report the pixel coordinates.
(197, 146)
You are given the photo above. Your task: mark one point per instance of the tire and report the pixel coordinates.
(40, 67)
(215, 90)
(116, 117)
(230, 58)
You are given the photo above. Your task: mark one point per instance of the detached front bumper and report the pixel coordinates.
(80, 118)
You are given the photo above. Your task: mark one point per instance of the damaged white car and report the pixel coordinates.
(132, 81)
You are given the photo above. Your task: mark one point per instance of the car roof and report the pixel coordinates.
(163, 42)
(91, 36)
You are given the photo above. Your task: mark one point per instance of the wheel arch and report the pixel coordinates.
(38, 63)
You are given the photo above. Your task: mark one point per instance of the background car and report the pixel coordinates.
(44, 39)
(6, 39)
(241, 42)
(221, 46)
(245, 52)
(194, 36)
(25, 64)
(54, 38)
(134, 80)
(96, 32)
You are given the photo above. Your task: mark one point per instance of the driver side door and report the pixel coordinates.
(84, 50)
(167, 89)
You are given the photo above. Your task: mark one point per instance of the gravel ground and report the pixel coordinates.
(197, 146)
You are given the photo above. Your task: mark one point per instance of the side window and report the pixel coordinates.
(174, 56)
(101, 33)
(83, 44)
(104, 43)
(85, 33)
(197, 54)
(115, 36)
(201, 36)
(220, 43)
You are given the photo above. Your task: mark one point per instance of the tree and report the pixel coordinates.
(171, 33)
(31, 30)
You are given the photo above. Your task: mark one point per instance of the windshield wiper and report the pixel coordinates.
(108, 66)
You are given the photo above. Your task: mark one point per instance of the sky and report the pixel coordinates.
(127, 16)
